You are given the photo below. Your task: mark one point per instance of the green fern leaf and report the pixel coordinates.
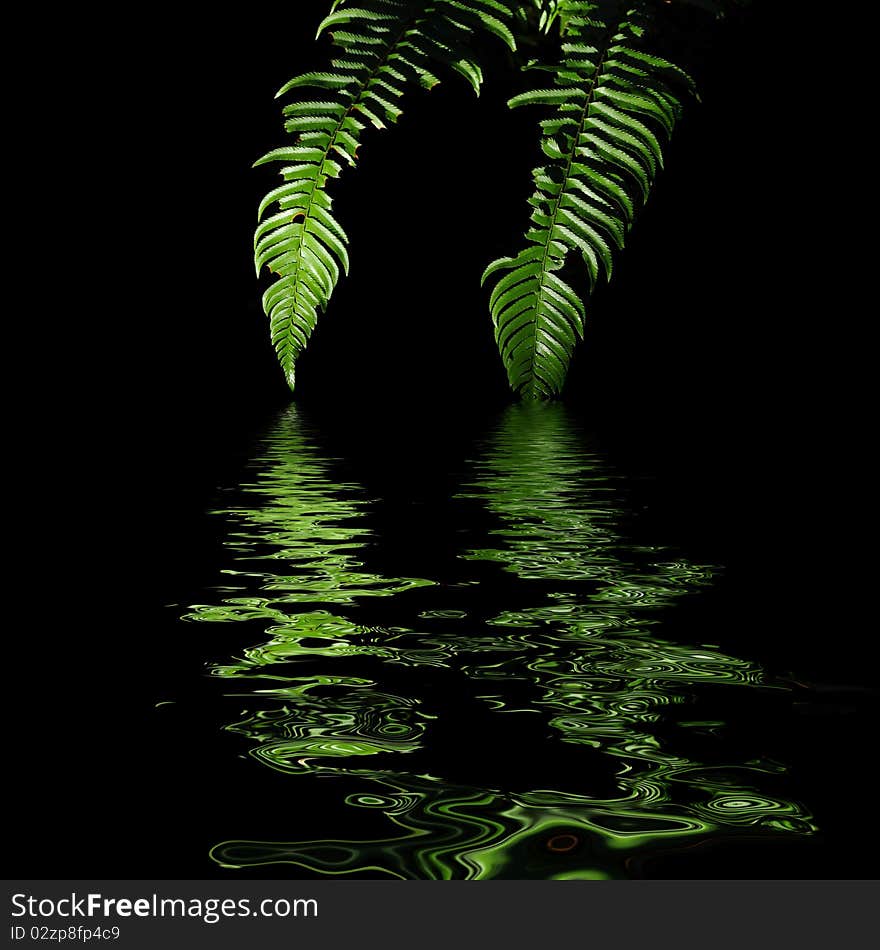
(614, 101)
(386, 46)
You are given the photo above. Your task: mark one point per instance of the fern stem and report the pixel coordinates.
(557, 203)
(320, 180)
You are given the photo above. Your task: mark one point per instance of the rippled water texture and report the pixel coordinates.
(559, 630)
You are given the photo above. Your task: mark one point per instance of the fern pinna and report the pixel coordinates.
(386, 45)
(613, 101)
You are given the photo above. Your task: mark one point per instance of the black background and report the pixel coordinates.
(721, 359)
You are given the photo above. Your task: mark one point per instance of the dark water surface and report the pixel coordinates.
(499, 664)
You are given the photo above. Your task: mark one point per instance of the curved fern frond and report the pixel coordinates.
(385, 46)
(614, 103)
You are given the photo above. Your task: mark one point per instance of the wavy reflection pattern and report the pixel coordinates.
(585, 649)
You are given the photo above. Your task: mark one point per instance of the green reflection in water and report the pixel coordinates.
(585, 649)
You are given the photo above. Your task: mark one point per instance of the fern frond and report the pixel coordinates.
(614, 103)
(386, 45)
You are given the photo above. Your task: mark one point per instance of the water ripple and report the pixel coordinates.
(585, 642)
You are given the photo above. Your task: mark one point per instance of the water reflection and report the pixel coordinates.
(587, 648)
